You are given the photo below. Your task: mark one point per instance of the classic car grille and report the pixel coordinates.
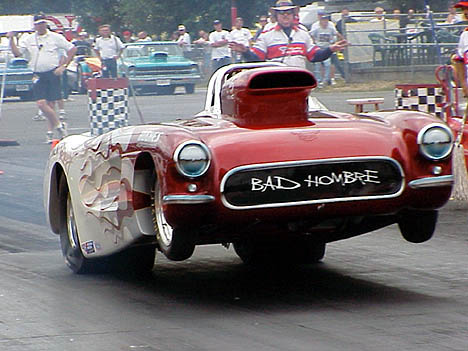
(18, 77)
(140, 71)
(304, 182)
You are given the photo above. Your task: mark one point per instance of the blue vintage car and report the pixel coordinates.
(158, 67)
(16, 75)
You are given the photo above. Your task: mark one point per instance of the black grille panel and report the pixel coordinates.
(308, 182)
(162, 71)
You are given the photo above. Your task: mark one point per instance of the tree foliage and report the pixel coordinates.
(419, 5)
(157, 17)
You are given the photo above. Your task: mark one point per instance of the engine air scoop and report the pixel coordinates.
(268, 97)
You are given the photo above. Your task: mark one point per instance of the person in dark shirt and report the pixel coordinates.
(82, 44)
(344, 19)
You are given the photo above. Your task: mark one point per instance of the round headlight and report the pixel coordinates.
(435, 141)
(131, 71)
(192, 159)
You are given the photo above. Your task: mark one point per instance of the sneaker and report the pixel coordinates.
(333, 81)
(50, 137)
(62, 130)
(320, 85)
(62, 115)
(39, 117)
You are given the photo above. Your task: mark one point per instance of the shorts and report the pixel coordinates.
(47, 86)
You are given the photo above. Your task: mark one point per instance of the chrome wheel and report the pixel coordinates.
(71, 226)
(176, 243)
(164, 229)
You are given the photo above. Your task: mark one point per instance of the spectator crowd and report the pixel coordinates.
(279, 36)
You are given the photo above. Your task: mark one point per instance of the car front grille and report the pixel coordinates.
(160, 71)
(308, 182)
(18, 77)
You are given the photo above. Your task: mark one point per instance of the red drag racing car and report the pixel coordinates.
(257, 169)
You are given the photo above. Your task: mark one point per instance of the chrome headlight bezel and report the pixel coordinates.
(131, 71)
(194, 69)
(424, 144)
(179, 154)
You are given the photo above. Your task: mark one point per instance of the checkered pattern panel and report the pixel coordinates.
(109, 111)
(428, 100)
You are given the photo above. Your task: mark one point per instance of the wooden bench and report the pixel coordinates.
(359, 103)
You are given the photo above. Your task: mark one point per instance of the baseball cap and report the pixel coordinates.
(284, 5)
(181, 27)
(40, 18)
(461, 4)
(216, 22)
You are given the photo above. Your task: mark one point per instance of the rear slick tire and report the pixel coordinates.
(69, 237)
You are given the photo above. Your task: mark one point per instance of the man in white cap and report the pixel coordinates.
(184, 38)
(286, 42)
(44, 50)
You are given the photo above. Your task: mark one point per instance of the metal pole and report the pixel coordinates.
(346, 66)
(431, 20)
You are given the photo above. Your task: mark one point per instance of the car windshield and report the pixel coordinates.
(133, 51)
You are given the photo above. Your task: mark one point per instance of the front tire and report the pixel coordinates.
(27, 96)
(418, 226)
(190, 88)
(166, 90)
(176, 243)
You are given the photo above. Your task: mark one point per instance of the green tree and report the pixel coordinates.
(156, 17)
(419, 5)
(18, 7)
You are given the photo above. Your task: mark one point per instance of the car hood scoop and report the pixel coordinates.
(159, 56)
(268, 97)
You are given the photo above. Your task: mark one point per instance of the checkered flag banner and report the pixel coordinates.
(424, 97)
(107, 104)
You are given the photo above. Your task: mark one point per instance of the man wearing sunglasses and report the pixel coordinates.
(287, 42)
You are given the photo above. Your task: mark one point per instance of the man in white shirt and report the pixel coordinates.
(184, 39)
(108, 48)
(379, 15)
(43, 48)
(219, 42)
(240, 35)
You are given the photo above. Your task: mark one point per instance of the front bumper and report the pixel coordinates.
(431, 182)
(187, 199)
(17, 88)
(164, 81)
